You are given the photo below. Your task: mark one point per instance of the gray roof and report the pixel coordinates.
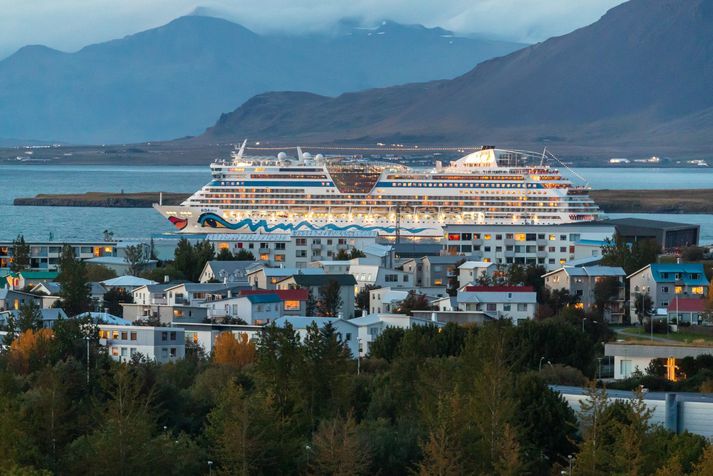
(213, 287)
(322, 279)
(448, 259)
(232, 266)
(644, 223)
(592, 271)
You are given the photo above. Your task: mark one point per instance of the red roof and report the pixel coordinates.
(687, 305)
(284, 294)
(499, 289)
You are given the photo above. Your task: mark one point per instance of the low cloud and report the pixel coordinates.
(70, 24)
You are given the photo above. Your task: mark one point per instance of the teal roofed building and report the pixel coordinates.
(664, 281)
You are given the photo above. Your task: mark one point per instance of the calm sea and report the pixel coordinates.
(74, 223)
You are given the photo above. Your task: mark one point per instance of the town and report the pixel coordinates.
(566, 313)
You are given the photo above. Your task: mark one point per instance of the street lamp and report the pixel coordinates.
(210, 467)
(539, 367)
(570, 458)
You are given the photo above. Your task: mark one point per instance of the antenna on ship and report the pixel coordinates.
(300, 156)
(542, 159)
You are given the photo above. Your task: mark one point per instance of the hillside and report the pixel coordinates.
(637, 79)
(171, 81)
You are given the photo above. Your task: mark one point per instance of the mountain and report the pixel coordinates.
(171, 81)
(641, 76)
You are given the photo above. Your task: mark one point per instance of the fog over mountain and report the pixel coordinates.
(643, 74)
(171, 81)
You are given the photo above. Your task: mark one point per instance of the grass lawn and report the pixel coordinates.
(639, 333)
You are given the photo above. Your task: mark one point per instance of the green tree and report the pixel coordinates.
(136, 257)
(338, 449)
(184, 258)
(413, 302)
(20, 255)
(386, 345)
(630, 256)
(311, 304)
(203, 251)
(114, 298)
(244, 255)
(97, 273)
(224, 255)
(28, 317)
(363, 297)
(643, 306)
(330, 299)
(606, 292)
(237, 434)
(74, 291)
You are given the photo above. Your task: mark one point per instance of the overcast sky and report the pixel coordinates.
(70, 24)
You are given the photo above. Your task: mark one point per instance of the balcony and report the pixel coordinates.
(316, 246)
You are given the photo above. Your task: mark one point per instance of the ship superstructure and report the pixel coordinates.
(283, 194)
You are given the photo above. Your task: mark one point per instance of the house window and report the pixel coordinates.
(665, 289)
(349, 336)
(164, 352)
(123, 336)
(164, 336)
(522, 307)
(506, 307)
(697, 290)
(173, 336)
(292, 305)
(173, 351)
(133, 336)
(491, 306)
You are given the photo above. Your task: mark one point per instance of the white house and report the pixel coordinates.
(471, 271)
(267, 278)
(160, 344)
(228, 271)
(372, 325)
(203, 335)
(385, 300)
(375, 275)
(331, 266)
(254, 309)
(510, 302)
(314, 283)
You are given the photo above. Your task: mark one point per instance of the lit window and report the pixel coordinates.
(697, 290)
(520, 236)
(292, 305)
(678, 289)
(487, 236)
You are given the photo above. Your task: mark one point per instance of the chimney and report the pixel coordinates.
(225, 280)
(678, 260)
(340, 316)
(230, 293)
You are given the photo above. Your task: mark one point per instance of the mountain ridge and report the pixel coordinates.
(646, 65)
(172, 80)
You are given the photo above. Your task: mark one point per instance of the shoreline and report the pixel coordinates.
(683, 201)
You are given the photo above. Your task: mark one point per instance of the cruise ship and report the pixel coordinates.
(284, 194)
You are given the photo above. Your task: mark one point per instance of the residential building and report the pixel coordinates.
(581, 282)
(332, 266)
(471, 272)
(27, 279)
(295, 249)
(313, 283)
(11, 299)
(294, 301)
(228, 271)
(663, 281)
(49, 316)
(127, 283)
(414, 266)
(120, 265)
(202, 335)
(376, 275)
(439, 270)
(684, 311)
(630, 357)
(346, 331)
(546, 245)
(385, 300)
(159, 344)
(370, 327)
(253, 309)
(44, 255)
(196, 294)
(517, 303)
(267, 278)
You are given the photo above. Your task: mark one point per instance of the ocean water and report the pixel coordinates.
(77, 223)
